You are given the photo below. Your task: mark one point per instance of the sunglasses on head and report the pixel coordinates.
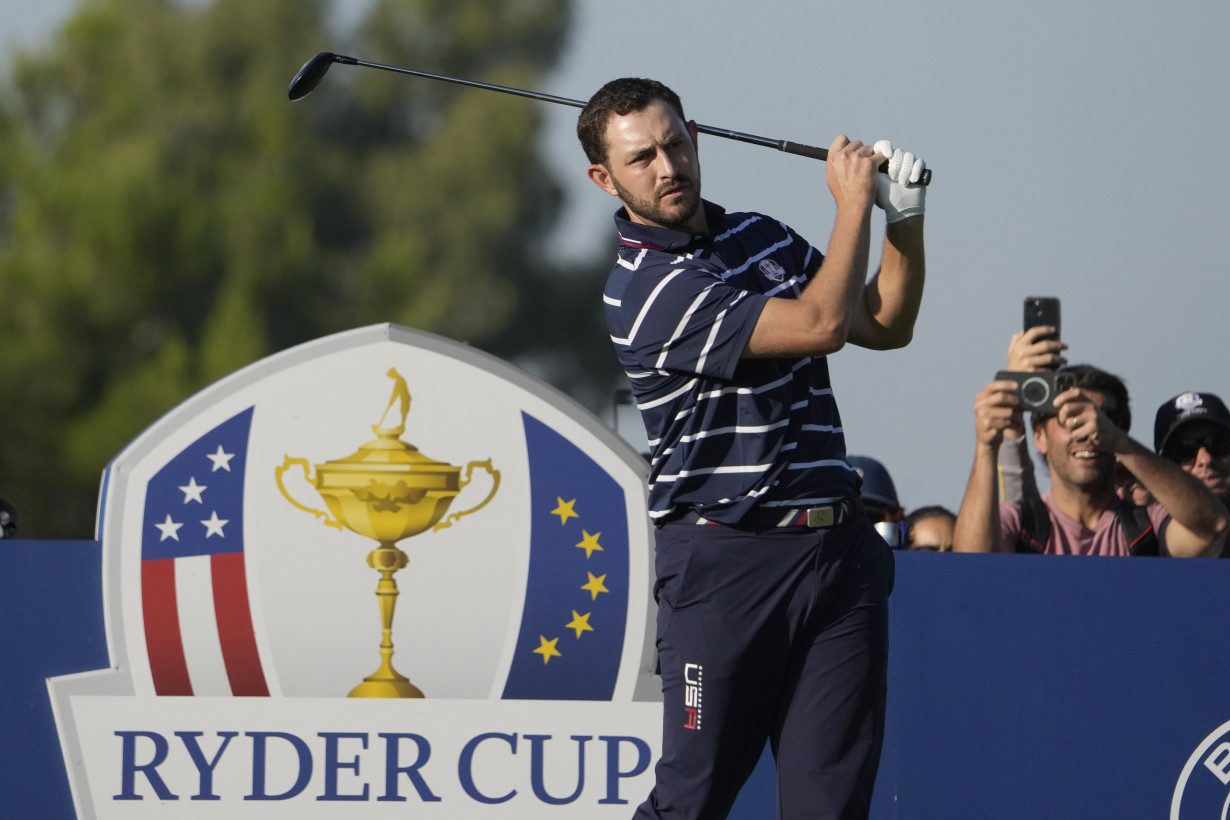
(1183, 450)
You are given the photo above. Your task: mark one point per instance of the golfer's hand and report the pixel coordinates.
(898, 192)
(851, 173)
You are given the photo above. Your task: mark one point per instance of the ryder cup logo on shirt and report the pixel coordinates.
(1203, 788)
(772, 271)
(379, 568)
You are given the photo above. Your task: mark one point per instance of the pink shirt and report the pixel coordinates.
(1070, 537)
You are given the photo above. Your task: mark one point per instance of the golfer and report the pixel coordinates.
(772, 586)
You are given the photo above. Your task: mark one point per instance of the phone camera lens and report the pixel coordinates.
(1035, 391)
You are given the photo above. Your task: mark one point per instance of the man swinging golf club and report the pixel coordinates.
(772, 585)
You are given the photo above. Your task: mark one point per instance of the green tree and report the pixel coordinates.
(168, 216)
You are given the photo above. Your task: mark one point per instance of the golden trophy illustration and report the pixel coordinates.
(387, 490)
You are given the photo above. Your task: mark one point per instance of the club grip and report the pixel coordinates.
(803, 150)
(823, 154)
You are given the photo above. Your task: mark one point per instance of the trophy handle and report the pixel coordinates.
(302, 462)
(495, 485)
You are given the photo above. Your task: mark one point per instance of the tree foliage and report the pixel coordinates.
(167, 216)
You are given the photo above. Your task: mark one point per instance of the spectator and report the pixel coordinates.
(1192, 430)
(879, 492)
(1080, 440)
(1030, 351)
(880, 499)
(1035, 350)
(930, 528)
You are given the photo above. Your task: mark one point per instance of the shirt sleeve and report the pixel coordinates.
(806, 257)
(1016, 473)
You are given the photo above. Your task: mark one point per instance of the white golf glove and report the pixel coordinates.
(897, 191)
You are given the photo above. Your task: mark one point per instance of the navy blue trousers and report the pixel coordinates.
(778, 635)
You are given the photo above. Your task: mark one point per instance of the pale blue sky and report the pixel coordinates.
(1077, 153)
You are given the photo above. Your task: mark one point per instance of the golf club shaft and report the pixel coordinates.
(781, 145)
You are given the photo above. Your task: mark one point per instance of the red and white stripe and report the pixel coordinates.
(198, 627)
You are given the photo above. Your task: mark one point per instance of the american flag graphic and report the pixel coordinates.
(194, 593)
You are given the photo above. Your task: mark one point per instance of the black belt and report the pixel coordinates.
(818, 517)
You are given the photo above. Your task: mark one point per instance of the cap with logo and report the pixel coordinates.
(1184, 409)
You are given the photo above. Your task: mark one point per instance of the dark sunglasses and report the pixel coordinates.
(1184, 450)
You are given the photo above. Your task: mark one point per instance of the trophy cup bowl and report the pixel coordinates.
(387, 491)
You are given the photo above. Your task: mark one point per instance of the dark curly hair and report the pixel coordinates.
(618, 98)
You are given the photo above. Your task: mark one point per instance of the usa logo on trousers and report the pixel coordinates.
(693, 694)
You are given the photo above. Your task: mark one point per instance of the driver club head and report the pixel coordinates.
(310, 75)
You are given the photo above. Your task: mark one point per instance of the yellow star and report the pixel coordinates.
(564, 510)
(548, 650)
(589, 543)
(580, 623)
(595, 585)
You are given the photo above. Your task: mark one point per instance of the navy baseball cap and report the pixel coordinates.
(877, 483)
(1185, 408)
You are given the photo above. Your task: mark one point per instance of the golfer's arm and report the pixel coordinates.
(818, 322)
(885, 318)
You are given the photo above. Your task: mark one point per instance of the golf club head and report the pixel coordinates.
(310, 75)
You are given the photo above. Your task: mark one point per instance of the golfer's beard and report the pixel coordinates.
(653, 211)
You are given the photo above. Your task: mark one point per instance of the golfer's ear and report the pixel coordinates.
(694, 132)
(602, 178)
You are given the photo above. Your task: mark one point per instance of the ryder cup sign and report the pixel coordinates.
(376, 574)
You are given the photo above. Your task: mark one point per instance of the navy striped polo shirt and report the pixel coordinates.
(726, 434)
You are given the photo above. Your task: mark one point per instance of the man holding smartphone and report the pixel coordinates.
(1082, 439)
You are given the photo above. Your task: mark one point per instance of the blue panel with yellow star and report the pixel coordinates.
(576, 598)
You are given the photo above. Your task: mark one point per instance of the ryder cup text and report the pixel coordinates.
(490, 768)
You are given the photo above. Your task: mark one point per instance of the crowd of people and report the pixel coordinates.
(1109, 493)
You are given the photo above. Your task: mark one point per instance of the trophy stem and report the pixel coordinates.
(386, 682)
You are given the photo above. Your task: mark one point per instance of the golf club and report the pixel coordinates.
(314, 70)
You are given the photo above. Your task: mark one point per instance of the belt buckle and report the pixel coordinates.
(820, 516)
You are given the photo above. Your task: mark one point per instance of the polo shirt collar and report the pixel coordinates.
(636, 235)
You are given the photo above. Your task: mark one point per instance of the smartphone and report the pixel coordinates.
(1038, 390)
(1042, 310)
